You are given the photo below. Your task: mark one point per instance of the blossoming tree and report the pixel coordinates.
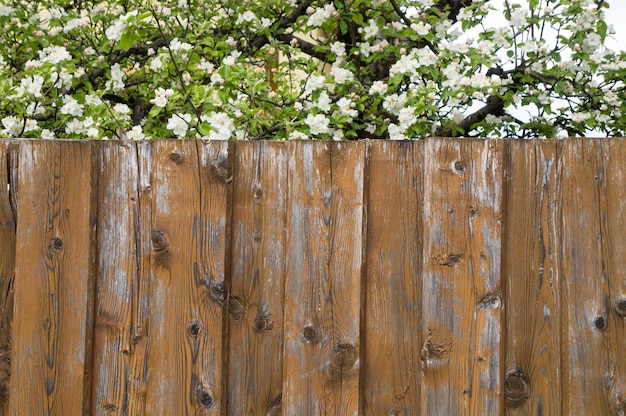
(284, 69)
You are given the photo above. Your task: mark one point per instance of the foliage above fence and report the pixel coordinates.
(372, 277)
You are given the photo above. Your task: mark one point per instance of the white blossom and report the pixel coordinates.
(378, 87)
(222, 126)
(320, 15)
(136, 133)
(71, 106)
(162, 96)
(318, 124)
(178, 124)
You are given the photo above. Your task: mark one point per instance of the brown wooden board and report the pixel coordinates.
(184, 356)
(257, 278)
(391, 380)
(613, 215)
(592, 383)
(531, 257)
(7, 269)
(324, 276)
(462, 313)
(54, 277)
(117, 281)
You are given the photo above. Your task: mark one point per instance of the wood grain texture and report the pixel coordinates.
(184, 357)
(591, 383)
(7, 270)
(462, 318)
(259, 224)
(532, 250)
(391, 381)
(324, 276)
(613, 216)
(55, 267)
(117, 295)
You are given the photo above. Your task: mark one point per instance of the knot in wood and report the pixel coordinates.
(310, 335)
(516, 389)
(459, 166)
(257, 193)
(218, 292)
(194, 329)
(57, 244)
(600, 323)
(219, 170)
(204, 398)
(343, 359)
(263, 322)
(177, 157)
(236, 308)
(161, 247)
(620, 307)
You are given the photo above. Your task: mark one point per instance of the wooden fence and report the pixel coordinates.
(435, 277)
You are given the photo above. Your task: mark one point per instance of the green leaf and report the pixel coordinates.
(154, 112)
(204, 128)
(357, 18)
(128, 39)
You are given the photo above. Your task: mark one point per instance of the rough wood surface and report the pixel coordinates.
(533, 372)
(185, 322)
(462, 350)
(445, 276)
(7, 265)
(324, 274)
(592, 354)
(391, 380)
(259, 224)
(117, 296)
(54, 277)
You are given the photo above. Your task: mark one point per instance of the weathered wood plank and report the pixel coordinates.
(324, 276)
(613, 215)
(117, 282)
(182, 354)
(257, 283)
(589, 353)
(55, 262)
(533, 381)
(462, 356)
(391, 381)
(7, 269)
(211, 368)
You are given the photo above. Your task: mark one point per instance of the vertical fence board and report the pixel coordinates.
(7, 268)
(211, 374)
(391, 381)
(324, 273)
(140, 314)
(589, 355)
(116, 288)
(257, 285)
(53, 280)
(533, 381)
(461, 355)
(181, 353)
(614, 228)
(584, 292)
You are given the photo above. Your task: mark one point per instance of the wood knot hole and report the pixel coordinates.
(177, 157)
(516, 389)
(459, 166)
(236, 308)
(161, 247)
(620, 307)
(205, 399)
(218, 292)
(257, 193)
(310, 335)
(263, 322)
(194, 328)
(57, 244)
(600, 323)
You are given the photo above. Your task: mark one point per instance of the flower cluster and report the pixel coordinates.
(322, 69)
